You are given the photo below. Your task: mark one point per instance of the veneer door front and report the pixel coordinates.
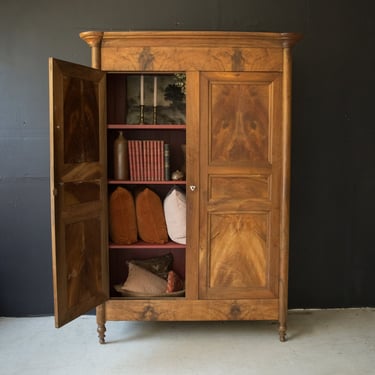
(240, 135)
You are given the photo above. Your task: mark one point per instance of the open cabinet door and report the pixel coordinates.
(78, 189)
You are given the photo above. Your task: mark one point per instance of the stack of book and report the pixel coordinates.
(147, 160)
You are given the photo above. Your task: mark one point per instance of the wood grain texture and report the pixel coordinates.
(83, 258)
(239, 121)
(166, 59)
(238, 250)
(81, 138)
(243, 187)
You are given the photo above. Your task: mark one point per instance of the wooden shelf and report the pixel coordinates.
(128, 182)
(146, 245)
(146, 127)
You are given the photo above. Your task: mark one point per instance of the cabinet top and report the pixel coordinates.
(190, 38)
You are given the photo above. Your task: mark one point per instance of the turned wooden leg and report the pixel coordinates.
(282, 332)
(101, 333)
(100, 320)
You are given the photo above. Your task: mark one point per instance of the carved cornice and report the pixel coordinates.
(92, 38)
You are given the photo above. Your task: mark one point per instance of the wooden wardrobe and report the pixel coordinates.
(236, 126)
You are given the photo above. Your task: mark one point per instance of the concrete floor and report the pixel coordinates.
(320, 342)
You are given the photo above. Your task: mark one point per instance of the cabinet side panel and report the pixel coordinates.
(285, 191)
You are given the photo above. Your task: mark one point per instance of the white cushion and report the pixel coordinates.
(140, 280)
(175, 215)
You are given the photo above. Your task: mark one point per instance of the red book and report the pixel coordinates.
(138, 161)
(149, 160)
(161, 152)
(146, 161)
(131, 159)
(157, 156)
(152, 160)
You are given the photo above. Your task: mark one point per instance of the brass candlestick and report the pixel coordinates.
(154, 115)
(141, 114)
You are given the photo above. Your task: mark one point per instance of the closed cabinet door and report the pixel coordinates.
(240, 178)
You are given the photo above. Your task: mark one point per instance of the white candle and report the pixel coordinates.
(142, 89)
(155, 90)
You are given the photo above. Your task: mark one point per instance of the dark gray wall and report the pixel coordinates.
(333, 181)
